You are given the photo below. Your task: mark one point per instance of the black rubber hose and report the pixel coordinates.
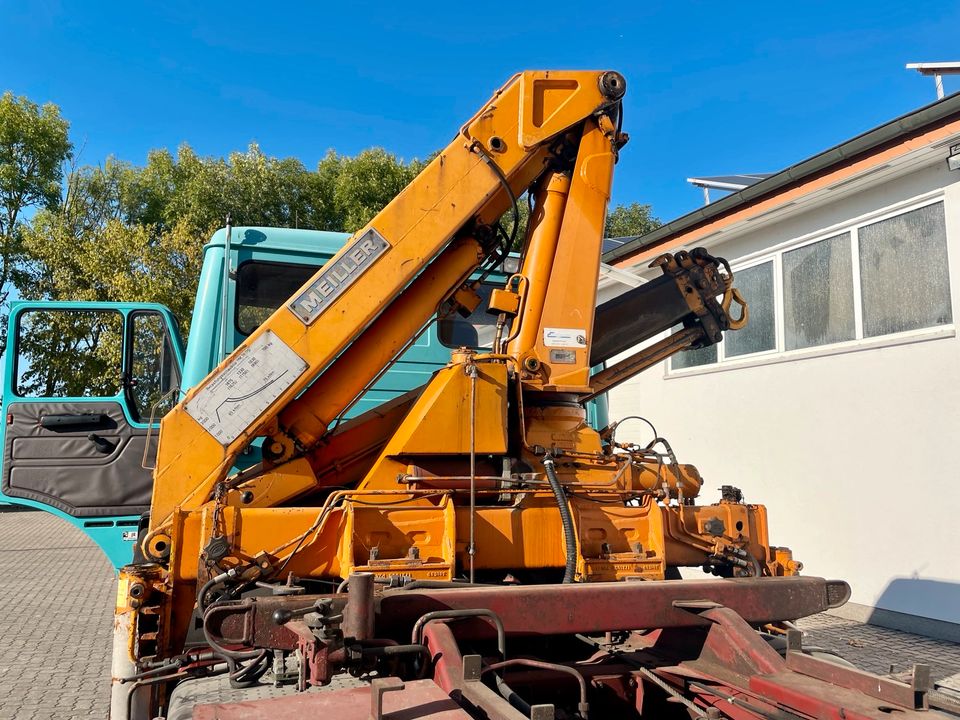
(511, 697)
(566, 520)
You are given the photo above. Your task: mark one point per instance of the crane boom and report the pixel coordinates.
(496, 154)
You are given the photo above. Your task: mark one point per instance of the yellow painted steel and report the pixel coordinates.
(456, 188)
(451, 476)
(554, 346)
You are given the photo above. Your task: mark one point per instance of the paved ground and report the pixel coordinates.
(880, 650)
(57, 593)
(56, 603)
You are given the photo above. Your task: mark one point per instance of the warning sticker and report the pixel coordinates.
(565, 337)
(227, 405)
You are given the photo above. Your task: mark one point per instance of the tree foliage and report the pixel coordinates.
(34, 145)
(126, 232)
(632, 219)
(135, 233)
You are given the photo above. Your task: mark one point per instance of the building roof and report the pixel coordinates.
(882, 135)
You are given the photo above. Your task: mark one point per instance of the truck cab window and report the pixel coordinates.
(262, 287)
(68, 353)
(153, 369)
(477, 330)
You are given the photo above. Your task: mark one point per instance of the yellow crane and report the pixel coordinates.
(485, 493)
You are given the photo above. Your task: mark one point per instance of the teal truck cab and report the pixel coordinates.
(86, 383)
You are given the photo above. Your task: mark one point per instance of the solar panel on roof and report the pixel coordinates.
(612, 243)
(729, 182)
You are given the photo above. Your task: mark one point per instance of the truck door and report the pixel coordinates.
(82, 383)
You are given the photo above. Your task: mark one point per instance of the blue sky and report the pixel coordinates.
(713, 88)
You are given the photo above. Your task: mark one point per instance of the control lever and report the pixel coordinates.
(103, 445)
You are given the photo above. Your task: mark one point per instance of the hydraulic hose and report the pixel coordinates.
(210, 584)
(569, 538)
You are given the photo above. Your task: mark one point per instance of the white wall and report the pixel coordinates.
(855, 454)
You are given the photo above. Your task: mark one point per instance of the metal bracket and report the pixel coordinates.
(912, 695)
(378, 688)
(696, 606)
(542, 712)
(471, 668)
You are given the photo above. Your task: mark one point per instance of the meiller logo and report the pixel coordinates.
(338, 275)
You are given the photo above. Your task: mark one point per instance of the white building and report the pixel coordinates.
(838, 406)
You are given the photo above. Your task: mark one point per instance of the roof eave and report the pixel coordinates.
(886, 133)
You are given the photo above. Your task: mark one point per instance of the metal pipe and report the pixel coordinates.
(142, 683)
(358, 615)
(673, 692)
(471, 548)
(583, 707)
(390, 650)
(432, 584)
(417, 634)
(225, 293)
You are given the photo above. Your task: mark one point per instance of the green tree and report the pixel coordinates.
(622, 221)
(361, 186)
(33, 148)
(123, 232)
(633, 219)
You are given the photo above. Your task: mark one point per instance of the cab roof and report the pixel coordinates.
(284, 239)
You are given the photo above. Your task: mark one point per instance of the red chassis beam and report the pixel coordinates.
(543, 609)
(610, 607)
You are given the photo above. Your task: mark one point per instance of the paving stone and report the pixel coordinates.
(56, 606)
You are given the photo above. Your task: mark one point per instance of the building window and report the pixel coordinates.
(903, 272)
(818, 294)
(760, 334)
(694, 358)
(872, 279)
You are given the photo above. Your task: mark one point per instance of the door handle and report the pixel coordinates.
(103, 445)
(71, 421)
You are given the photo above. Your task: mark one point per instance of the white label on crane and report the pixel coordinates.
(339, 274)
(229, 404)
(565, 337)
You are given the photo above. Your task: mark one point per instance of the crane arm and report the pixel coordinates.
(445, 215)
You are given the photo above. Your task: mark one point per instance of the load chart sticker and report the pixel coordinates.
(227, 405)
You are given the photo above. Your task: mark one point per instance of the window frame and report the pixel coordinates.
(128, 342)
(859, 342)
(14, 383)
